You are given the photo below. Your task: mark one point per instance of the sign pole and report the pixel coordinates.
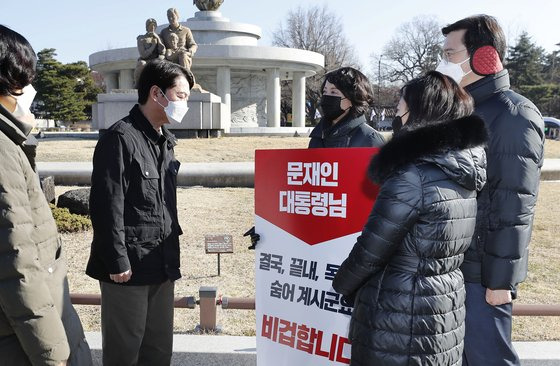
(218, 244)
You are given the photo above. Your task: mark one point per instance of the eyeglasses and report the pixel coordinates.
(445, 55)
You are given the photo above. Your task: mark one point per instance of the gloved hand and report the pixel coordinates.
(254, 237)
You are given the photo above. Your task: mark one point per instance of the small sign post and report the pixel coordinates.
(217, 244)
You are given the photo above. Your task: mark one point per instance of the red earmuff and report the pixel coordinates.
(486, 61)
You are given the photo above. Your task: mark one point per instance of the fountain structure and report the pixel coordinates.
(240, 80)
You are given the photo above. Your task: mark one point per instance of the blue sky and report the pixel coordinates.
(78, 28)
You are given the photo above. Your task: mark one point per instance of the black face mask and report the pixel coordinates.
(330, 105)
(397, 123)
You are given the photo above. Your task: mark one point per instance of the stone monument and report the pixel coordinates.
(242, 78)
(150, 46)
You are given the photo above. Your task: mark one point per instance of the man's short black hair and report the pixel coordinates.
(354, 85)
(17, 62)
(162, 74)
(481, 30)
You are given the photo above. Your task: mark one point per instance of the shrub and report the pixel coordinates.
(67, 222)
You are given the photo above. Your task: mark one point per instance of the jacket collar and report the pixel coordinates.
(424, 141)
(15, 129)
(148, 130)
(484, 88)
(342, 128)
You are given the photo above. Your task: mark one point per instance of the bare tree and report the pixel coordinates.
(413, 50)
(315, 29)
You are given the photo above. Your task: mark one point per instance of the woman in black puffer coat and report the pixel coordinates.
(403, 273)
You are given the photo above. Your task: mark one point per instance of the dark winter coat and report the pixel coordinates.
(403, 272)
(498, 256)
(349, 132)
(38, 324)
(133, 203)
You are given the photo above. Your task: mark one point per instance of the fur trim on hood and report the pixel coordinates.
(423, 141)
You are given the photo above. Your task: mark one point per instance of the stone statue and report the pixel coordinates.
(184, 47)
(205, 5)
(150, 46)
(173, 52)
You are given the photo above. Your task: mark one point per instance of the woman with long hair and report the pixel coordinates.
(403, 273)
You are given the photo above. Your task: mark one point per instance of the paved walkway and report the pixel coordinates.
(551, 169)
(206, 350)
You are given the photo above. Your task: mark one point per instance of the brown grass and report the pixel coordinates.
(201, 211)
(230, 211)
(543, 283)
(225, 149)
(552, 149)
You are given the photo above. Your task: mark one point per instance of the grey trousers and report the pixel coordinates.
(487, 331)
(137, 324)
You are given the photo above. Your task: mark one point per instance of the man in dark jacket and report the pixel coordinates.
(133, 204)
(497, 258)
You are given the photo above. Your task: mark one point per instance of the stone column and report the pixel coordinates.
(126, 79)
(273, 97)
(298, 99)
(111, 81)
(224, 84)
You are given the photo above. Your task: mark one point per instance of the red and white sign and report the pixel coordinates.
(310, 206)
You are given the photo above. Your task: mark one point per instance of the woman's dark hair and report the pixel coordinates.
(162, 74)
(481, 30)
(354, 85)
(435, 97)
(17, 62)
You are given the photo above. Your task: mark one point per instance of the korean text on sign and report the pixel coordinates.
(302, 202)
(304, 338)
(315, 174)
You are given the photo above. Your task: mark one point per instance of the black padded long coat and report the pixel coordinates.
(403, 273)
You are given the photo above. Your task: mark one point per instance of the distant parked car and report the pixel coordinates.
(552, 128)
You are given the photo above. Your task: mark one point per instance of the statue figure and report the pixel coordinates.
(185, 46)
(150, 46)
(205, 5)
(173, 51)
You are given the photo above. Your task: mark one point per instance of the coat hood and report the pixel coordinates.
(455, 146)
(16, 130)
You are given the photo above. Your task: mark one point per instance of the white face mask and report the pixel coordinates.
(175, 110)
(452, 70)
(24, 101)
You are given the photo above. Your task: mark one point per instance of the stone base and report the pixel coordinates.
(206, 112)
(195, 134)
(270, 131)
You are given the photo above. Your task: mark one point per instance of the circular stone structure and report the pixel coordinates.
(230, 64)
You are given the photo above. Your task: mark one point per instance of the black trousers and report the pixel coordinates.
(137, 324)
(487, 331)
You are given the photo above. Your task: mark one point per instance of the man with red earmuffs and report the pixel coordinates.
(496, 261)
